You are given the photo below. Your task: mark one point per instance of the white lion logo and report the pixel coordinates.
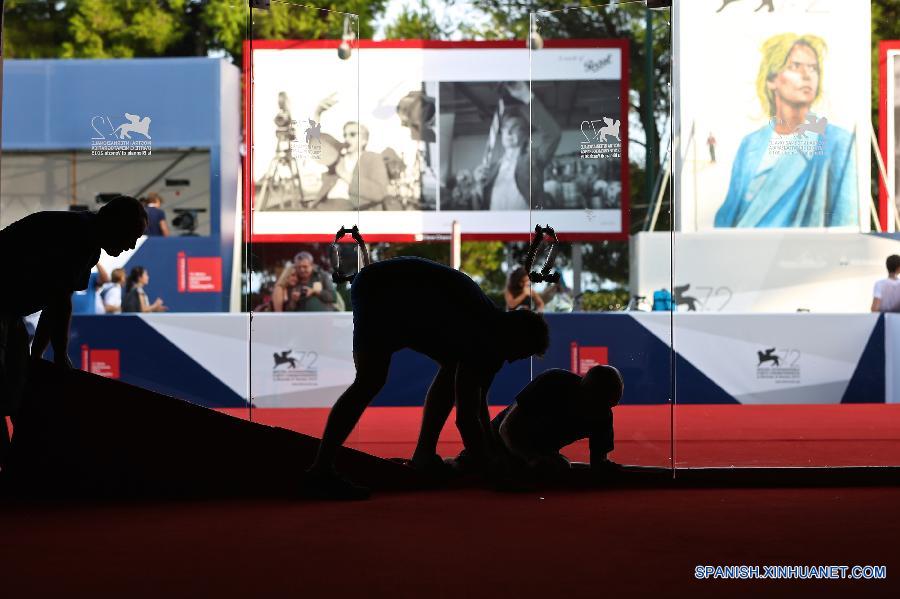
(136, 124)
(611, 129)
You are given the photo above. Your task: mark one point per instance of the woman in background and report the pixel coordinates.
(281, 295)
(518, 292)
(798, 170)
(135, 297)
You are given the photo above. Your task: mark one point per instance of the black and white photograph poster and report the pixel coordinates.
(404, 155)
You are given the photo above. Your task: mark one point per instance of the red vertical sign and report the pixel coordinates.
(586, 357)
(182, 272)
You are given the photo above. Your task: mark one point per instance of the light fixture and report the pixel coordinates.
(345, 50)
(537, 42)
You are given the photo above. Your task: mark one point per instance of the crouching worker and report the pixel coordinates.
(442, 313)
(556, 409)
(70, 242)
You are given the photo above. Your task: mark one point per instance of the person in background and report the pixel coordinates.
(88, 300)
(711, 144)
(314, 291)
(157, 226)
(886, 297)
(282, 294)
(505, 175)
(135, 296)
(518, 292)
(110, 295)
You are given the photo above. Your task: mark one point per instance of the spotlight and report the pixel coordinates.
(345, 50)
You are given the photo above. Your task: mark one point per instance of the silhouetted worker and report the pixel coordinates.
(456, 325)
(69, 243)
(554, 410)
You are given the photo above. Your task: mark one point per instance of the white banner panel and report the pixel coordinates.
(892, 357)
(300, 360)
(408, 137)
(772, 111)
(763, 271)
(772, 358)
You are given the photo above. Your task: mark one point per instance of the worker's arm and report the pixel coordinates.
(53, 327)
(515, 437)
(876, 304)
(469, 409)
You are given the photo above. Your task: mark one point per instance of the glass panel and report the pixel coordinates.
(600, 120)
(102, 99)
(303, 188)
(775, 263)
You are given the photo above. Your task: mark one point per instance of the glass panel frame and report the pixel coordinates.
(639, 344)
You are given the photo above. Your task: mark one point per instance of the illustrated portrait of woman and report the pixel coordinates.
(798, 170)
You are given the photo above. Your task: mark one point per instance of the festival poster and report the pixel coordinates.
(405, 138)
(772, 110)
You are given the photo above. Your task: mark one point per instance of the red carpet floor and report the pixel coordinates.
(705, 436)
(470, 543)
(480, 543)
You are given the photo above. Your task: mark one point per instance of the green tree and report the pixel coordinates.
(149, 28)
(415, 24)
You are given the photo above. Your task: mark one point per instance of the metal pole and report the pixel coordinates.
(649, 128)
(576, 269)
(892, 205)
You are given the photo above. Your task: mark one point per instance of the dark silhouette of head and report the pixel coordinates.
(893, 264)
(525, 334)
(120, 222)
(603, 386)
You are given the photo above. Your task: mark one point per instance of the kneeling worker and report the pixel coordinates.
(554, 410)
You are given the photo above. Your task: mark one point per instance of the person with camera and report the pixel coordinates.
(314, 291)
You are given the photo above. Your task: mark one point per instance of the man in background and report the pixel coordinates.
(157, 226)
(886, 296)
(314, 291)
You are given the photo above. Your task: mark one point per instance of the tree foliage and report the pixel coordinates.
(415, 24)
(150, 28)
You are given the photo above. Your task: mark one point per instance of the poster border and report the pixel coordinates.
(884, 46)
(249, 191)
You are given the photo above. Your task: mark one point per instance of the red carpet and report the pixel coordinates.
(472, 543)
(706, 436)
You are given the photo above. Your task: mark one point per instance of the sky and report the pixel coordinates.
(456, 12)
